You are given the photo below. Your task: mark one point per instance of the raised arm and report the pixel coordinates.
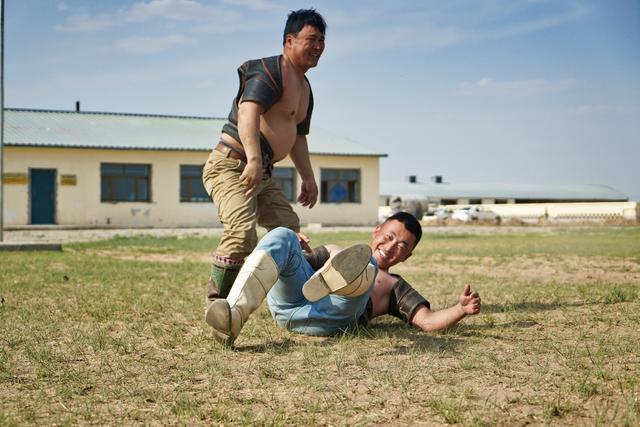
(427, 320)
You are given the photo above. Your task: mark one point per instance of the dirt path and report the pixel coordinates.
(67, 234)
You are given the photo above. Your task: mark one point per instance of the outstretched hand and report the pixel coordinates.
(470, 302)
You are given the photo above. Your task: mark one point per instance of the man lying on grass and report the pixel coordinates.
(350, 286)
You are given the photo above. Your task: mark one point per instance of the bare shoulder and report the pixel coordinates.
(381, 292)
(384, 279)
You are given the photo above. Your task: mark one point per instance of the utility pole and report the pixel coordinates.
(1, 119)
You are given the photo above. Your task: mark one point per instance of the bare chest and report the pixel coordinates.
(295, 99)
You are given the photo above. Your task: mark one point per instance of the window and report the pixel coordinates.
(340, 186)
(124, 182)
(285, 178)
(191, 188)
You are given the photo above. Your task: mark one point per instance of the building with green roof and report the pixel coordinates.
(95, 169)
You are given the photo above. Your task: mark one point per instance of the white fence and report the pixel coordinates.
(555, 212)
(563, 212)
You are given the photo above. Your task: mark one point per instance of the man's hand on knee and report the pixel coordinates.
(304, 242)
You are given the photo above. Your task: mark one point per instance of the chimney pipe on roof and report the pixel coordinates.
(77, 106)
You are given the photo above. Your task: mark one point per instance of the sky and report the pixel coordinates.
(500, 91)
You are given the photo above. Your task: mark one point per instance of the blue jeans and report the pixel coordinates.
(290, 309)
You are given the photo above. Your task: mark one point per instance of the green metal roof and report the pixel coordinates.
(49, 128)
(431, 190)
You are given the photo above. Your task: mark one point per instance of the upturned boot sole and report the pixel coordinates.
(338, 272)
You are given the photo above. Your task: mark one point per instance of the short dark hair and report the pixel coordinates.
(299, 18)
(410, 223)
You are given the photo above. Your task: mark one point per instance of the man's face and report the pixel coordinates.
(391, 243)
(306, 47)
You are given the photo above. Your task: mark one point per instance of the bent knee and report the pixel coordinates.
(284, 233)
(237, 244)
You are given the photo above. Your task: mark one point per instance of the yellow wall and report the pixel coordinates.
(79, 204)
(363, 213)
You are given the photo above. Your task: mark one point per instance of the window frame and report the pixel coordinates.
(292, 179)
(354, 188)
(136, 179)
(204, 197)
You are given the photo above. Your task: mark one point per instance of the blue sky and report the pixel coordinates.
(531, 91)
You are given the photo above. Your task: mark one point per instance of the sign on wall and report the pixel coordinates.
(15, 178)
(68, 179)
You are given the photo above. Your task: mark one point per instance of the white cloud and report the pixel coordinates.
(144, 11)
(143, 75)
(82, 23)
(515, 88)
(526, 27)
(444, 24)
(61, 7)
(176, 10)
(394, 38)
(138, 44)
(253, 4)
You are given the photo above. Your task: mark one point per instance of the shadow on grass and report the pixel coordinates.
(419, 342)
(423, 342)
(521, 307)
(270, 346)
(484, 330)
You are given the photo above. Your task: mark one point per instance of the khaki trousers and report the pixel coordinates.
(239, 214)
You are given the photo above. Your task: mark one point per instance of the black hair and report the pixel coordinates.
(410, 223)
(299, 18)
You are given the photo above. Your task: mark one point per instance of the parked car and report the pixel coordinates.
(475, 213)
(439, 214)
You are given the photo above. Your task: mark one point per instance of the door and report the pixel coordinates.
(42, 188)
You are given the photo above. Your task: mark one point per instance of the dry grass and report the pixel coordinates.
(111, 333)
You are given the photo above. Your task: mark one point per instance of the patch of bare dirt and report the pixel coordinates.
(565, 269)
(154, 257)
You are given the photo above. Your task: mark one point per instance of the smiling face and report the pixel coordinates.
(392, 243)
(305, 48)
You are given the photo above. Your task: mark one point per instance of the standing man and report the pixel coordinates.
(269, 120)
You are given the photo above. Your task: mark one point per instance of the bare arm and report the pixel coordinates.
(427, 320)
(249, 130)
(423, 317)
(300, 157)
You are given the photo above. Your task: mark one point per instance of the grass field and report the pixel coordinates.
(112, 332)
